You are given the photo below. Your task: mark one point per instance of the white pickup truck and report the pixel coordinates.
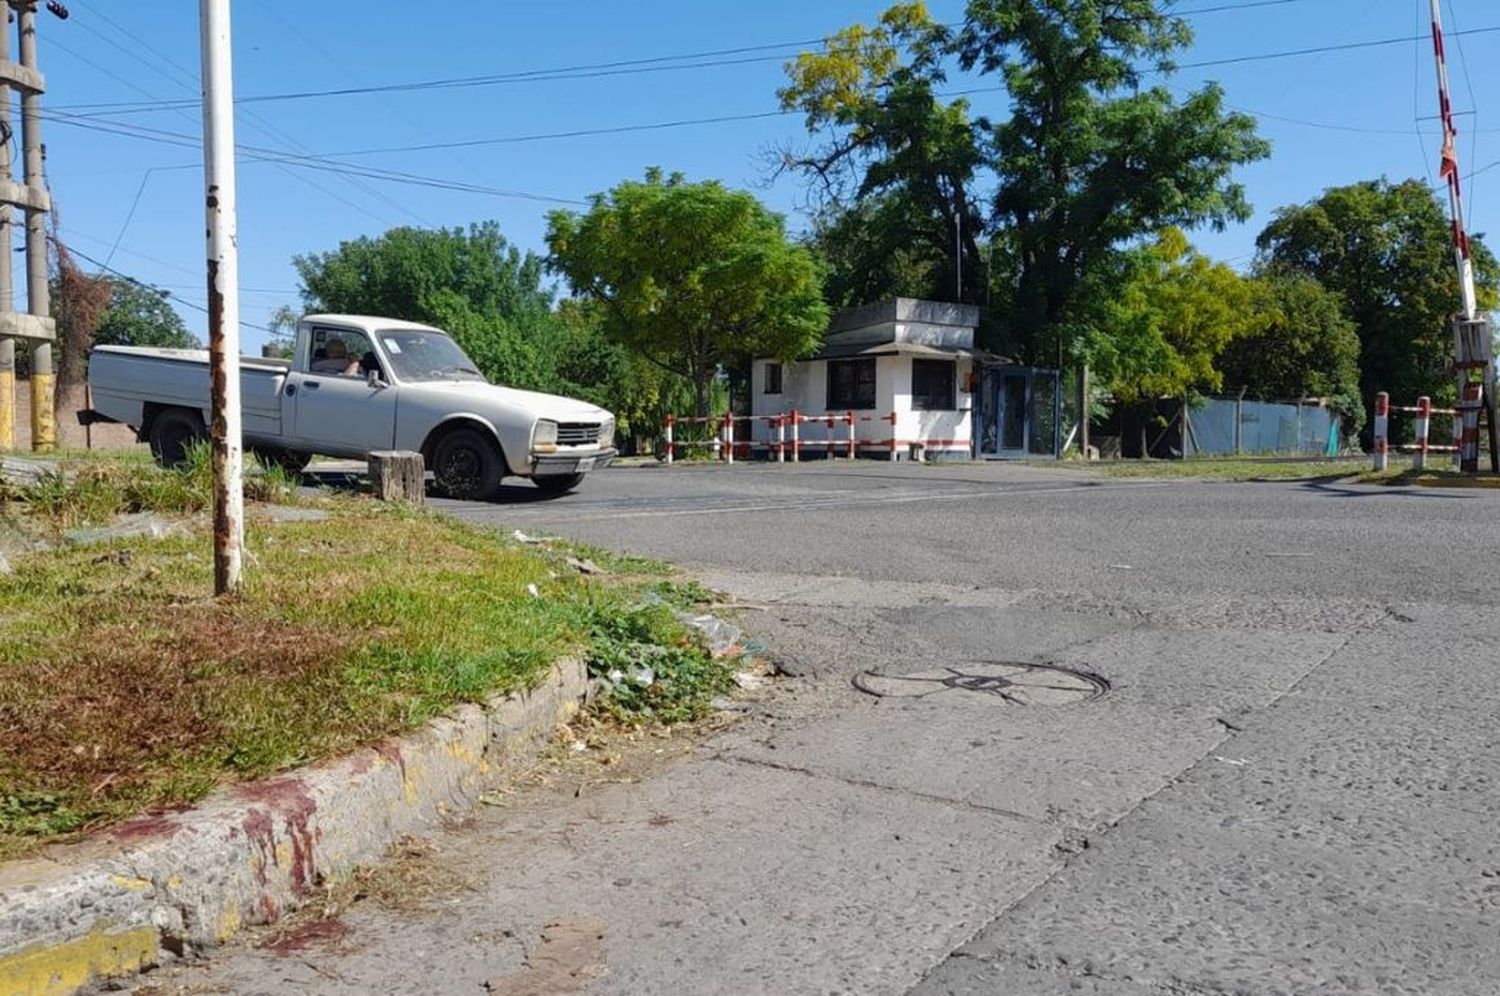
(357, 384)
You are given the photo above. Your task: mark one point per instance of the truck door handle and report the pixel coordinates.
(311, 385)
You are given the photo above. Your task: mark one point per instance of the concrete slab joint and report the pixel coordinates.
(171, 884)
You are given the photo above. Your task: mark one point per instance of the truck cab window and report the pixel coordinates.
(340, 353)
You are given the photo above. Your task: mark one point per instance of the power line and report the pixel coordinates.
(1322, 49)
(712, 58)
(275, 156)
(170, 298)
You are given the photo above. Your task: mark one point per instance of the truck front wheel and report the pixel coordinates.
(173, 432)
(468, 465)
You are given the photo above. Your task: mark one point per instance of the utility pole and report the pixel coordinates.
(1472, 347)
(32, 198)
(223, 295)
(7, 288)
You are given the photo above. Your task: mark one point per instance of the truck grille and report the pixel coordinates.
(577, 433)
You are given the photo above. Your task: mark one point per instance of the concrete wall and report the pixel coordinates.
(70, 435)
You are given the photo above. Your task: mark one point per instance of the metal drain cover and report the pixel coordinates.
(1013, 683)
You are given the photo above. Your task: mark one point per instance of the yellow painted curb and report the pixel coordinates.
(58, 969)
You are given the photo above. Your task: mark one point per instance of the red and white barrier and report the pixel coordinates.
(786, 439)
(1424, 412)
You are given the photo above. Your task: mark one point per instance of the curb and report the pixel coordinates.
(172, 884)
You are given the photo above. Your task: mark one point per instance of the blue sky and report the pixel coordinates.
(1333, 117)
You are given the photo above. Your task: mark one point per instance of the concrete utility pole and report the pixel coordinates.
(7, 288)
(32, 198)
(223, 295)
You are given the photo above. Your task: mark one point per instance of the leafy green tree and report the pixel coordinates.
(1301, 346)
(691, 276)
(895, 179)
(1087, 162)
(138, 315)
(1386, 249)
(1174, 313)
(590, 365)
(473, 284)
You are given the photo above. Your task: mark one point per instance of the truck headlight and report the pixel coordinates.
(607, 432)
(544, 436)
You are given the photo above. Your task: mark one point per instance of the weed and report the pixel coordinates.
(652, 666)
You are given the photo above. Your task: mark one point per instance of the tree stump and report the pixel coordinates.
(396, 475)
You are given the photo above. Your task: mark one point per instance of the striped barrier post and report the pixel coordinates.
(667, 426)
(781, 439)
(894, 444)
(729, 437)
(796, 445)
(852, 437)
(1469, 452)
(1423, 423)
(1382, 428)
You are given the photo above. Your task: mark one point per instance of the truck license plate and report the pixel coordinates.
(585, 465)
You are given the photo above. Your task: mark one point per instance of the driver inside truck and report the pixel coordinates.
(336, 360)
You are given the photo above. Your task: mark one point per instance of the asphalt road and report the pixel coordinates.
(1288, 787)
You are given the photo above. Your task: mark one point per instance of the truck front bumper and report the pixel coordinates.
(556, 464)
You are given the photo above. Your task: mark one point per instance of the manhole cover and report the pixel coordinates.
(1013, 683)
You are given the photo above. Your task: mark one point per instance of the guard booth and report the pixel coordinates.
(1018, 412)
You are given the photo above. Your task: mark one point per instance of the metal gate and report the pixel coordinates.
(1019, 413)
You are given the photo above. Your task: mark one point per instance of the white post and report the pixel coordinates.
(223, 294)
(796, 448)
(729, 437)
(1424, 420)
(667, 425)
(853, 443)
(1382, 428)
(781, 439)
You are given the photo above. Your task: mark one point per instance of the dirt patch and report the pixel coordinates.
(324, 934)
(570, 954)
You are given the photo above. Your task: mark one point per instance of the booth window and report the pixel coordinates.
(932, 385)
(851, 384)
(773, 378)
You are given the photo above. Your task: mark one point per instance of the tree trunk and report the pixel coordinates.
(701, 395)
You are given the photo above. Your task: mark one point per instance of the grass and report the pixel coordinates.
(125, 686)
(85, 492)
(1227, 469)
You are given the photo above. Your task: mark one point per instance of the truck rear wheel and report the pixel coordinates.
(467, 464)
(173, 432)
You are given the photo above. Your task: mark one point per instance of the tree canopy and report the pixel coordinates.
(690, 276)
(137, 315)
(1087, 161)
(1386, 249)
(1301, 345)
(471, 283)
(1172, 315)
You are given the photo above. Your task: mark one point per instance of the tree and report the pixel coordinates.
(473, 284)
(1386, 250)
(1088, 161)
(895, 182)
(1174, 313)
(691, 276)
(138, 315)
(1301, 346)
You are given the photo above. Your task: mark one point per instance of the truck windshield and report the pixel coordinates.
(418, 354)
